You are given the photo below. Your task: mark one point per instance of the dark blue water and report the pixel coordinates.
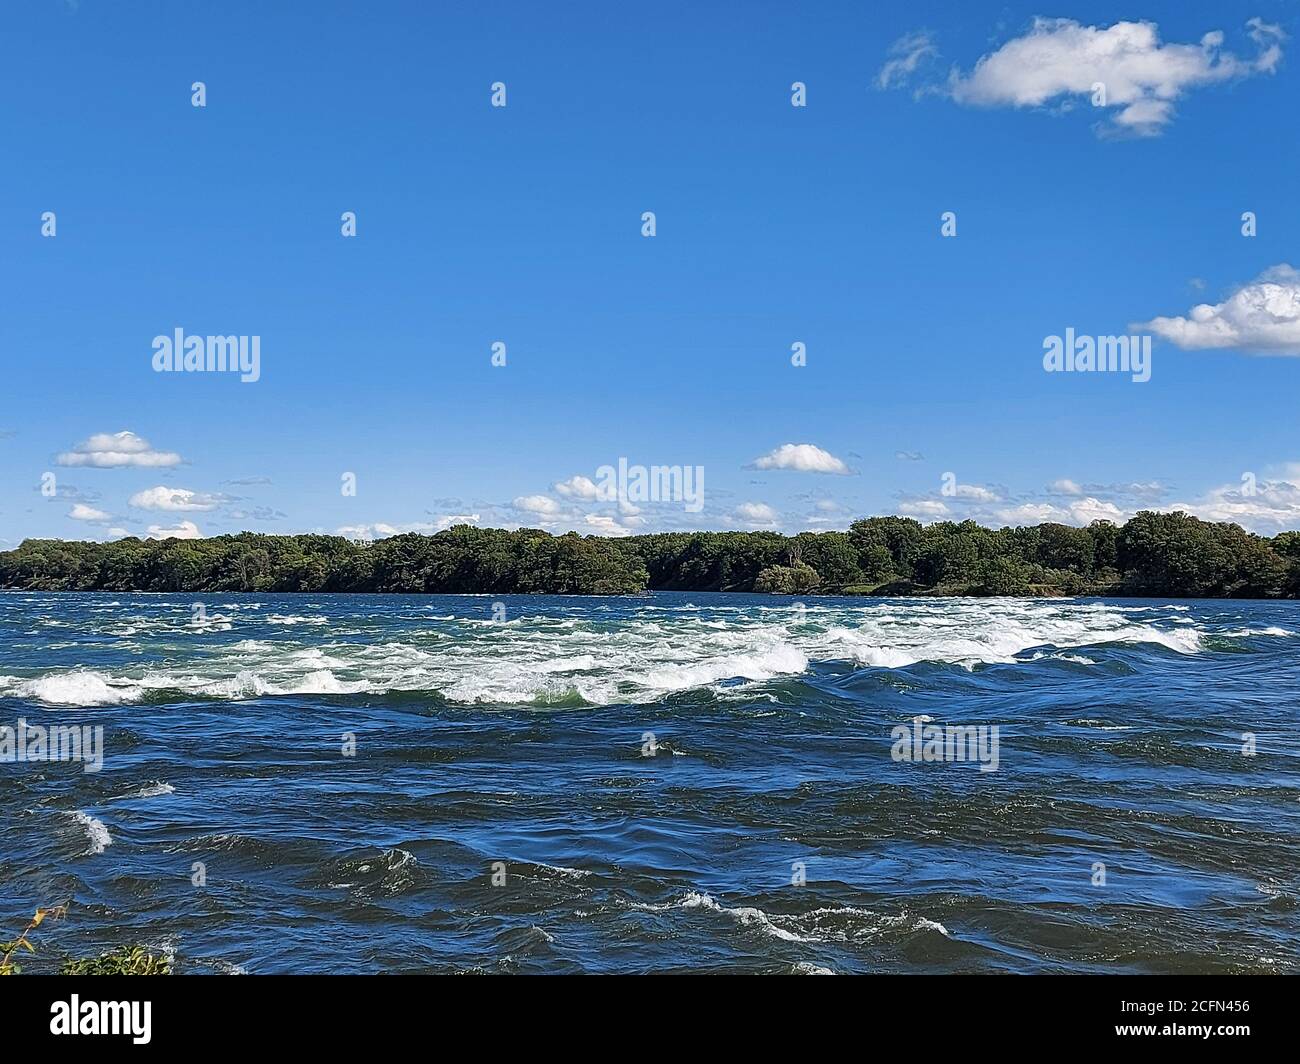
(662, 783)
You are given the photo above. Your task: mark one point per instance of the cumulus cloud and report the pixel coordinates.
(803, 457)
(381, 530)
(82, 512)
(1077, 512)
(923, 508)
(176, 500)
(973, 492)
(107, 450)
(606, 525)
(1262, 316)
(366, 532)
(1061, 61)
(543, 505)
(1065, 502)
(578, 487)
(757, 515)
(185, 530)
(1267, 507)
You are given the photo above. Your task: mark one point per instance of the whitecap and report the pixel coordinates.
(97, 837)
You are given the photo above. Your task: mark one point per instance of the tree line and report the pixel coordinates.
(1153, 554)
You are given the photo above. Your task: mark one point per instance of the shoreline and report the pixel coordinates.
(1153, 555)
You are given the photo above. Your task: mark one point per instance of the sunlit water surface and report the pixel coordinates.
(769, 830)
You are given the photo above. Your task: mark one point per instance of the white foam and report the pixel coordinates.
(97, 836)
(647, 652)
(860, 923)
(745, 915)
(79, 688)
(149, 790)
(779, 659)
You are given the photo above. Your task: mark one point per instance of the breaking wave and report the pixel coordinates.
(97, 837)
(633, 657)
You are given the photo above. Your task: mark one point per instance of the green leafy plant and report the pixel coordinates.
(128, 960)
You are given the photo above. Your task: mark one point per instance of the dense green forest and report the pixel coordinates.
(1168, 554)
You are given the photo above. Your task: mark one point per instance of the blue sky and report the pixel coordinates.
(775, 224)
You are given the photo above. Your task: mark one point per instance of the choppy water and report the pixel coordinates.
(519, 738)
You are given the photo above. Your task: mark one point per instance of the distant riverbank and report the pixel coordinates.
(1152, 555)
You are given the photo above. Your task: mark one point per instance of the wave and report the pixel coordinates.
(808, 968)
(843, 923)
(545, 661)
(388, 873)
(77, 688)
(149, 790)
(97, 837)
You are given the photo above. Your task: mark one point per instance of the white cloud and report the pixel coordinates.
(1261, 316)
(756, 511)
(82, 512)
(543, 505)
(803, 457)
(366, 532)
(107, 450)
(578, 487)
(381, 530)
(118, 533)
(604, 525)
(1068, 503)
(974, 492)
(757, 515)
(1029, 513)
(1087, 510)
(923, 508)
(1077, 512)
(185, 530)
(905, 55)
(1273, 506)
(176, 500)
(1060, 60)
